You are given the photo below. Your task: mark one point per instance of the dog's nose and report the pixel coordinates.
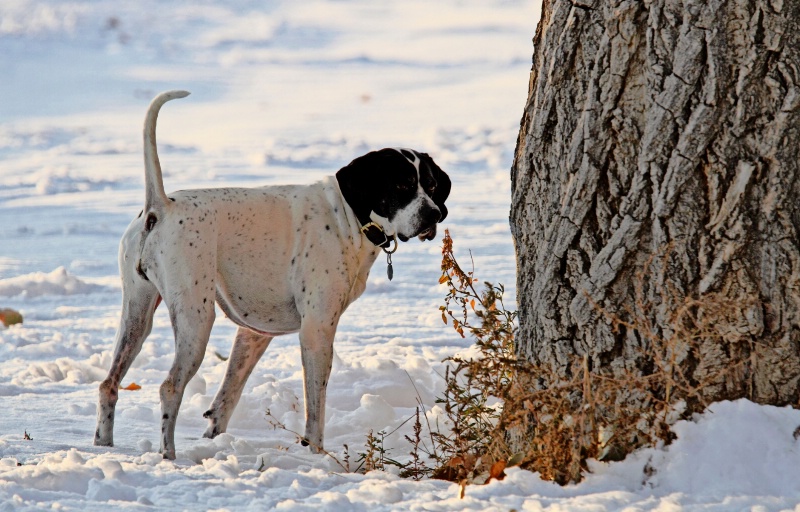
(431, 216)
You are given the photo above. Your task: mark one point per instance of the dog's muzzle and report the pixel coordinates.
(429, 217)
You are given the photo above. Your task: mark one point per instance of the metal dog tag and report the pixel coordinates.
(389, 269)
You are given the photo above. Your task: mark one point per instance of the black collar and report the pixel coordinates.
(375, 234)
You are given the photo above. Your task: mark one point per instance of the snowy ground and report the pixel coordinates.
(283, 92)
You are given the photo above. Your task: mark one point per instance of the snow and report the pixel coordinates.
(57, 282)
(282, 92)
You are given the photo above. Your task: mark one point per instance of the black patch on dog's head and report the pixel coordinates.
(409, 155)
(385, 181)
(380, 181)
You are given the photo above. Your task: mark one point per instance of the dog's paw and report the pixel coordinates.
(213, 429)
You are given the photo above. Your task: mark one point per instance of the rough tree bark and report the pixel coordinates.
(662, 136)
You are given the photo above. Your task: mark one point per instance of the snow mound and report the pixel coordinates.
(734, 447)
(62, 369)
(737, 448)
(61, 180)
(36, 284)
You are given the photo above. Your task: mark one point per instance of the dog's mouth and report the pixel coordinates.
(428, 233)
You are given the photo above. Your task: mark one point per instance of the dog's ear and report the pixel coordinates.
(357, 183)
(442, 184)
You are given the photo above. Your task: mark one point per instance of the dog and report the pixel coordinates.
(275, 259)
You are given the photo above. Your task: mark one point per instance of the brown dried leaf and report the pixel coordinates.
(496, 471)
(9, 317)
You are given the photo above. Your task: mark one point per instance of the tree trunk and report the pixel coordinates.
(656, 170)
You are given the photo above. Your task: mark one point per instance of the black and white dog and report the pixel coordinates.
(277, 260)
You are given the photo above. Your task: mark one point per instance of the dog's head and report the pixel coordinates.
(400, 189)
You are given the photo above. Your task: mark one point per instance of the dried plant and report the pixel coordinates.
(568, 416)
(474, 386)
(376, 456)
(416, 467)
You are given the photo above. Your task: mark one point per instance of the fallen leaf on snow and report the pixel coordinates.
(9, 317)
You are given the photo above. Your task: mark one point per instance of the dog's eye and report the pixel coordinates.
(430, 189)
(405, 185)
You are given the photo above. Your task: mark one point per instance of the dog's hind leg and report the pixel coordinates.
(139, 301)
(248, 347)
(192, 314)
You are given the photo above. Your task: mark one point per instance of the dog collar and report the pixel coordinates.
(375, 234)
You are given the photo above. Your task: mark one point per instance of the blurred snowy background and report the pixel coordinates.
(282, 92)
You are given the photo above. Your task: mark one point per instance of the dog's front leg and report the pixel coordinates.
(316, 352)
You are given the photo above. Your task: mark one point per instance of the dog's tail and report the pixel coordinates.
(155, 198)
